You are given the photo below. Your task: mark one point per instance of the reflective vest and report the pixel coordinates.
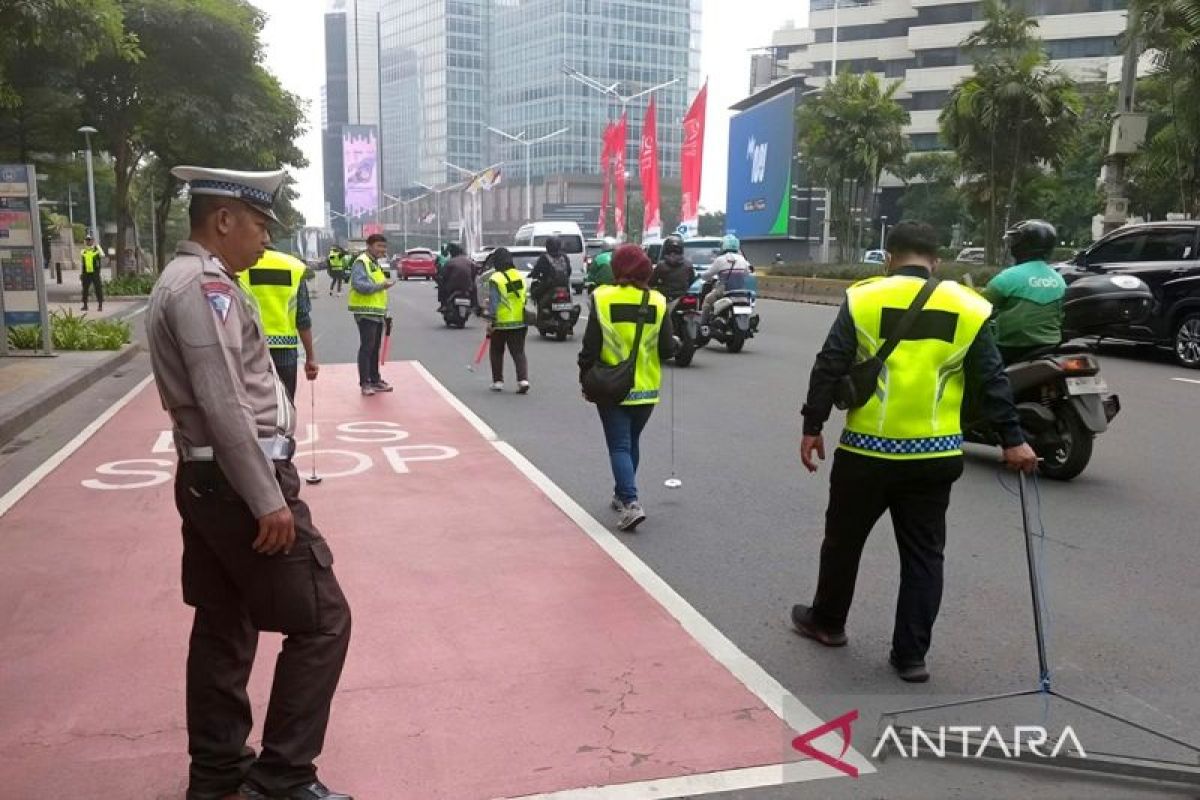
(274, 284)
(91, 258)
(916, 409)
(617, 312)
(510, 312)
(373, 304)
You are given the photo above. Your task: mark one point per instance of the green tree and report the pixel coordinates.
(931, 193)
(850, 134)
(712, 223)
(1010, 119)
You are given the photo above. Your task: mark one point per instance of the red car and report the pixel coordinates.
(418, 263)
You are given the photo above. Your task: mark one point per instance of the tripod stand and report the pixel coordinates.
(1106, 763)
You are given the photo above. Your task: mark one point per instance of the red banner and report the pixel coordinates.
(605, 159)
(691, 164)
(620, 134)
(648, 170)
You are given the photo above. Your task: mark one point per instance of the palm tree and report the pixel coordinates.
(1013, 116)
(849, 136)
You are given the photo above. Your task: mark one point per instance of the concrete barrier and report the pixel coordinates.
(825, 291)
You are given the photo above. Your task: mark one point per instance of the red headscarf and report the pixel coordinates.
(631, 266)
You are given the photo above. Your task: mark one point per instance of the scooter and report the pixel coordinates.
(685, 322)
(457, 310)
(733, 321)
(557, 314)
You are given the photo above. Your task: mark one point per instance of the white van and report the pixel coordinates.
(535, 234)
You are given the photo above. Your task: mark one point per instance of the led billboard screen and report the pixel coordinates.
(761, 145)
(360, 159)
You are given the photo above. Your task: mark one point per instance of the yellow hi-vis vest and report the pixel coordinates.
(915, 411)
(617, 312)
(510, 312)
(374, 304)
(91, 258)
(274, 284)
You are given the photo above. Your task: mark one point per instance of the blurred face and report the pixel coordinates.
(377, 250)
(242, 234)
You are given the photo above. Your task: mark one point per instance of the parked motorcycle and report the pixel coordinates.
(457, 310)
(557, 314)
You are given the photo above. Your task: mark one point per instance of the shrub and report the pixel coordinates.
(980, 275)
(126, 285)
(71, 332)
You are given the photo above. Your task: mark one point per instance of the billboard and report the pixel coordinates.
(360, 166)
(761, 146)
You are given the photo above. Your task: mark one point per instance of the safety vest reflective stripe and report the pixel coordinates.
(274, 284)
(91, 259)
(917, 406)
(617, 309)
(374, 304)
(511, 311)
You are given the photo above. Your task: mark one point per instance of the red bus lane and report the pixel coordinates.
(499, 648)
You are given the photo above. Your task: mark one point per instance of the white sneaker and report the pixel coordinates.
(631, 517)
(616, 505)
(522, 387)
(497, 386)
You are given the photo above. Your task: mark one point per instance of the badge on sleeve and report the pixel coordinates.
(220, 297)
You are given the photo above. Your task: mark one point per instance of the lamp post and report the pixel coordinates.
(528, 143)
(404, 211)
(826, 227)
(87, 131)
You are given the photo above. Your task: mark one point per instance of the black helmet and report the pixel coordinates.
(453, 249)
(553, 245)
(672, 245)
(1031, 240)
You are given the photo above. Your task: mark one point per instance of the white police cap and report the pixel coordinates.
(256, 189)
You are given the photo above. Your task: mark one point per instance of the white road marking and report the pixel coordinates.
(46, 467)
(769, 691)
(1186, 380)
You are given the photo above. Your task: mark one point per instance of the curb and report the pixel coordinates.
(821, 291)
(57, 394)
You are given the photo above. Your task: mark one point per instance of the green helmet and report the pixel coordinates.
(730, 244)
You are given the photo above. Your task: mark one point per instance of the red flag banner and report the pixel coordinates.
(648, 171)
(691, 163)
(605, 161)
(618, 167)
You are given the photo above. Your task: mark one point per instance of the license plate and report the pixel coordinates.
(561, 306)
(743, 310)
(462, 301)
(1093, 384)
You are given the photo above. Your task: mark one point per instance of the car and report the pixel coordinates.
(1166, 256)
(971, 255)
(699, 250)
(874, 257)
(535, 234)
(418, 262)
(524, 259)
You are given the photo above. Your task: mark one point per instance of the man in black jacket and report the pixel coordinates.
(674, 274)
(552, 270)
(458, 275)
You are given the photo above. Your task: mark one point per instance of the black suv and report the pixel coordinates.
(1166, 255)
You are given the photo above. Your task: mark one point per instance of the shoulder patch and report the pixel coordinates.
(220, 297)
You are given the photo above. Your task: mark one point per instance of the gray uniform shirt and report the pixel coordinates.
(214, 374)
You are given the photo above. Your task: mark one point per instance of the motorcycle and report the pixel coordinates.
(1062, 400)
(457, 310)
(685, 322)
(557, 314)
(733, 321)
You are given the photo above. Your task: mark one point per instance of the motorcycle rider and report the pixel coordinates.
(728, 271)
(1028, 296)
(674, 274)
(551, 271)
(600, 270)
(458, 275)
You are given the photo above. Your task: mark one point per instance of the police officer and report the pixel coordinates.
(276, 284)
(902, 450)
(252, 558)
(368, 302)
(337, 262)
(506, 305)
(91, 259)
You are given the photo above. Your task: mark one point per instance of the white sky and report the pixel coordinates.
(295, 39)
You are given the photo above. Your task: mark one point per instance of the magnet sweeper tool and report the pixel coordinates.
(314, 478)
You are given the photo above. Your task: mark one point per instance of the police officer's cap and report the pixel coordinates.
(256, 189)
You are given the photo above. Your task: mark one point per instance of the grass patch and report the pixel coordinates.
(127, 285)
(69, 331)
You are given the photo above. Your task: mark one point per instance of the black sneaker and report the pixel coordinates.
(313, 791)
(804, 624)
(911, 672)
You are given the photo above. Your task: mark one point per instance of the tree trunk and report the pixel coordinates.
(162, 212)
(990, 228)
(123, 163)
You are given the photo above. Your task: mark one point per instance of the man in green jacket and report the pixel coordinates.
(1028, 296)
(600, 270)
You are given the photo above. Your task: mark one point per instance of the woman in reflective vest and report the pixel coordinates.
(506, 293)
(611, 330)
(276, 283)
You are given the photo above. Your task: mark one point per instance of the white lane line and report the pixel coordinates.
(476, 421)
(32, 479)
(769, 691)
(1186, 380)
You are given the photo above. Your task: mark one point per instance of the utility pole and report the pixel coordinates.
(826, 223)
(153, 229)
(1128, 133)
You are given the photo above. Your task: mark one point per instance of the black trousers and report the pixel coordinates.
(514, 340)
(370, 339)
(237, 593)
(93, 279)
(916, 493)
(286, 361)
(336, 279)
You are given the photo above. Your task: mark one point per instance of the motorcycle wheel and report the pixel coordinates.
(560, 335)
(687, 350)
(735, 341)
(1069, 458)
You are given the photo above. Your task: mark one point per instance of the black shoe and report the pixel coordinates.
(912, 672)
(313, 791)
(803, 624)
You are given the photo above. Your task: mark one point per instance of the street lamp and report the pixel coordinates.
(826, 227)
(87, 131)
(403, 211)
(528, 143)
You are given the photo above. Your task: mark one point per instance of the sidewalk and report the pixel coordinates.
(505, 644)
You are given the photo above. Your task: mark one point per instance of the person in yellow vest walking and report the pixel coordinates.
(612, 329)
(91, 261)
(369, 304)
(507, 293)
(276, 284)
(901, 449)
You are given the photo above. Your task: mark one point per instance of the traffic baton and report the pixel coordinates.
(387, 341)
(487, 337)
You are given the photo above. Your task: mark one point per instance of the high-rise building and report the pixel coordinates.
(350, 95)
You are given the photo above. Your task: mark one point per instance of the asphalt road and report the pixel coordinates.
(740, 541)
